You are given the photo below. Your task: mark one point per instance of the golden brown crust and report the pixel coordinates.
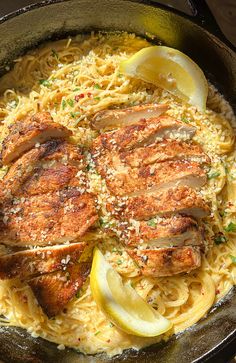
(166, 261)
(24, 134)
(49, 218)
(29, 263)
(181, 200)
(107, 119)
(53, 291)
(163, 232)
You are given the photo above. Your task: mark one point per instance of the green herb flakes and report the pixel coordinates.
(54, 54)
(45, 82)
(152, 223)
(220, 238)
(70, 102)
(212, 175)
(63, 104)
(231, 227)
(96, 86)
(233, 258)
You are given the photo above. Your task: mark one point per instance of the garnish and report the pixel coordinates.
(212, 175)
(45, 82)
(231, 227)
(233, 258)
(63, 104)
(74, 114)
(220, 238)
(184, 119)
(152, 222)
(77, 295)
(54, 54)
(97, 98)
(70, 102)
(97, 332)
(96, 86)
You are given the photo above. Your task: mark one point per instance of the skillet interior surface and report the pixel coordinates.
(213, 338)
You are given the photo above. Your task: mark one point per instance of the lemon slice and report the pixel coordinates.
(170, 69)
(120, 302)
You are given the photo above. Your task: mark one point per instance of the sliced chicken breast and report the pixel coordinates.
(180, 200)
(53, 291)
(144, 133)
(163, 151)
(108, 119)
(25, 134)
(54, 217)
(168, 174)
(166, 261)
(38, 261)
(52, 166)
(163, 232)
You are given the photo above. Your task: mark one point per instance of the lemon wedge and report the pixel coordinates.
(121, 303)
(170, 69)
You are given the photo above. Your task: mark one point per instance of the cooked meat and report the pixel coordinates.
(181, 200)
(53, 291)
(163, 151)
(108, 119)
(167, 174)
(38, 261)
(163, 232)
(54, 217)
(26, 133)
(52, 166)
(166, 261)
(144, 133)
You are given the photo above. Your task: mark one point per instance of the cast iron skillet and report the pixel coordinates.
(213, 338)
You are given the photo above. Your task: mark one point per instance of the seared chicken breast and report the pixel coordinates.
(107, 119)
(38, 261)
(166, 261)
(25, 134)
(52, 218)
(49, 167)
(53, 291)
(181, 200)
(163, 232)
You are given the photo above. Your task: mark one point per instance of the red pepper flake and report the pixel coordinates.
(78, 339)
(89, 94)
(217, 292)
(77, 97)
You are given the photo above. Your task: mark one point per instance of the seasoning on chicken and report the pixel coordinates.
(26, 133)
(166, 261)
(50, 218)
(107, 119)
(49, 167)
(38, 261)
(53, 291)
(181, 199)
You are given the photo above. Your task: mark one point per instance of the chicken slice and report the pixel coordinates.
(107, 119)
(166, 261)
(38, 261)
(52, 166)
(181, 200)
(144, 133)
(53, 291)
(54, 217)
(24, 134)
(163, 151)
(162, 232)
(127, 181)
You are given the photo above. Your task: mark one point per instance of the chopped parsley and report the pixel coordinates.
(70, 102)
(97, 98)
(220, 238)
(63, 104)
(233, 258)
(231, 227)
(96, 86)
(76, 89)
(114, 249)
(212, 175)
(111, 325)
(45, 82)
(77, 295)
(184, 119)
(119, 262)
(54, 54)
(152, 223)
(74, 114)
(97, 332)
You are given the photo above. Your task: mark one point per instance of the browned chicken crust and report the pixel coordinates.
(181, 200)
(107, 119)
(163, 232)
(51, 166)
(24, 134)
(54, 217)
(166, 261)
(163, 151)
(29, 263)
(53, 291)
